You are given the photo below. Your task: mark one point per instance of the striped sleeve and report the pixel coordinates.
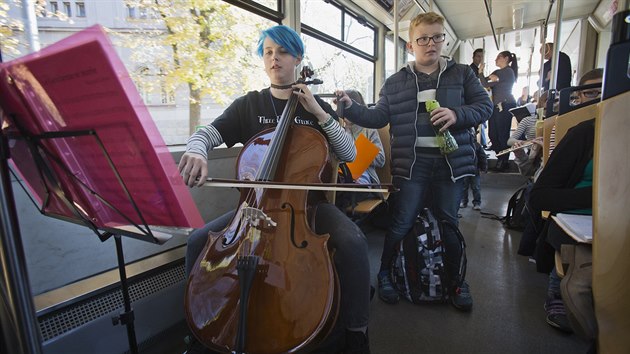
(204, 140)
(341, 142)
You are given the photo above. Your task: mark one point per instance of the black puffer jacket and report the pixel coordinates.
(458, 88)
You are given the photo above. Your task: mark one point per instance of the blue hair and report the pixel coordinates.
(284, 36)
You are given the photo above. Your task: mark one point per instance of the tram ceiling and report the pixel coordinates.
(469, 18)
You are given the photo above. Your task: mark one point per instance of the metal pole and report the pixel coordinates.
(543, 37)
(556, 46)
(30, 28)
(20, 329)
(396, 36)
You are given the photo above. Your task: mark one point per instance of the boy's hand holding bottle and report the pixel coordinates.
(445, 140)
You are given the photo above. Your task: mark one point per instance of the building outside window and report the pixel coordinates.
(54, 6)
(67, 9)
(80, 9)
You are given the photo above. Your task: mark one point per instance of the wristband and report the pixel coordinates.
(327, 123)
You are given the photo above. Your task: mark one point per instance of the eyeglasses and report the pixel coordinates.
(438, 38)
(594, 93)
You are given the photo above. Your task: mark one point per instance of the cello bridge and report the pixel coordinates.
(254, 217)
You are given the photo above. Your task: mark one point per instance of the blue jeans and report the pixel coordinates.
(474, 183)
(350, 258)
(430, 186)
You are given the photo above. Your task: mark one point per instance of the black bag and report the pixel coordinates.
(419, 267)
(517, 214)
(514, 217)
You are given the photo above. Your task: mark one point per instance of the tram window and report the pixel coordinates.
(338, 68)
(312, 11)
(272, 4)
(359, 35)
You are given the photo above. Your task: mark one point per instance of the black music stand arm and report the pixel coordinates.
(125, 318)
(19, 309)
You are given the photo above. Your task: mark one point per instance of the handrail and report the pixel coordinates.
(489, 12)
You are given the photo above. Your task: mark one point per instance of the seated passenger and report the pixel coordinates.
(346, 199)
(592, 77)
(527, 160)
(565, 185)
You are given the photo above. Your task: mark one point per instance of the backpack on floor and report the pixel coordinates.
(419, 266)
(517, 215)
(514, 217)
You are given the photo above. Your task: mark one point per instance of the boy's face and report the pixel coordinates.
(426, 55)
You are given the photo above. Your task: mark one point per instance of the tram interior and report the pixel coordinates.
(75, 283)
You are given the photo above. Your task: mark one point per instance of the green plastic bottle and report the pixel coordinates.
(445, 140)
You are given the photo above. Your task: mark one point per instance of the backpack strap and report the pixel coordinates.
(463, 261)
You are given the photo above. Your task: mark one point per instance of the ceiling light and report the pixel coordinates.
(518, 16)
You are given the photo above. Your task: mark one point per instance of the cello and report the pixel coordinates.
(267, 283)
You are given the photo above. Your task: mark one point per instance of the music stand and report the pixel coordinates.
(79, 136)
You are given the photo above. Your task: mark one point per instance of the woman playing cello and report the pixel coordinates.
(282, 50)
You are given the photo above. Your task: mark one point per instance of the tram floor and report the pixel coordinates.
(508, 293)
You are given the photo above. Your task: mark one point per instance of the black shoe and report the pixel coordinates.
(357, 343)
(195, 347)
(333, 344)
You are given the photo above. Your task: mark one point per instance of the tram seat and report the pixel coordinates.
(611, 225)
(548, 125)
(365, 207)
(565, 121)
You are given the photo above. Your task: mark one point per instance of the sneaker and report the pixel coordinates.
(556, 314)
(386, 290)
(357, 343)
(463, 204)
(461, 299)
(476, 207)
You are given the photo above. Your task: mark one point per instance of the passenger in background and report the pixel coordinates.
(564, 68)
(527, 159)
(346, 199)
(565, 185)
(474, 182)
(477, 67)
(281, 50)
(501, 82)
(477, 60)
(524, 98)
(418, 166)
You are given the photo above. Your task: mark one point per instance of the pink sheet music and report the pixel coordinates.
(79, 84)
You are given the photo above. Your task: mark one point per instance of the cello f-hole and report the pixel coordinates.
(304, 243)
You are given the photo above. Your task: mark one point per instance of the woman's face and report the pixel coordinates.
(426, 55)
(501, 61)
(279, 63)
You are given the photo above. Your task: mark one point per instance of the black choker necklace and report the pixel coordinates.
(282, 87)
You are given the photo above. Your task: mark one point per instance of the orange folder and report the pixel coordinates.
(366, 152)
